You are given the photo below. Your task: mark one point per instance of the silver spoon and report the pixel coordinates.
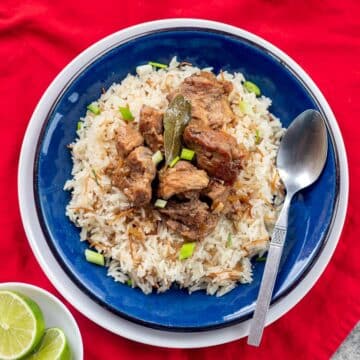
(300, 161)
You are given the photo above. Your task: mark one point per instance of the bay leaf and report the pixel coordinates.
(176, 117)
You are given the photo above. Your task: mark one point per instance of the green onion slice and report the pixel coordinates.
(174, 162)
(126, 113)
(94, 257)
(79, 125)
(129, 282)
(157, 157)
(251, 87)
(187, 154)
(260, 259)
(160, 203)
(257, 137)
(186, 250)
(158, 65)
(95, 176)
(94, 108)
(244, 106)
(229, 241)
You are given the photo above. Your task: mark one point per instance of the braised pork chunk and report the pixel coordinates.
(182, 178)
(209, 99)
(191, 219)
(128, 138)
(151, 127)
(138, 173)
(216, 152)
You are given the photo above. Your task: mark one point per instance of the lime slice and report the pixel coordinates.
(53, 346)
(21, 325)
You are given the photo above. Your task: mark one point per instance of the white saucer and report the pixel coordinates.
(72, 293)
(55, 312)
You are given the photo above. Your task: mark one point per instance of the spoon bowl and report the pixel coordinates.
(303, 151)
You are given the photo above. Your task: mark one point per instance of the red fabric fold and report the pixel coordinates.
(38, 38)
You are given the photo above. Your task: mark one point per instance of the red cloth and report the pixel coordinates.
(38, 38)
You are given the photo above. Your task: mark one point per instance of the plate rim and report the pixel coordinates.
(32, 228)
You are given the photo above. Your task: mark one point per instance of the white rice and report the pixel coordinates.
(217, 265)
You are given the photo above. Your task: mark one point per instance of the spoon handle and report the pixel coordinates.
(270, 272)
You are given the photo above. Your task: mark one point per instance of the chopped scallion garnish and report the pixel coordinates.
(244, 106)
(126, 113)
(257, 137)
(260, 259)
(94, 108)
(95, 176)
(158, 65)
(174, 161)
(129, 282)
(94, 257)
(160, 203)
(187, 154)
(229, 240)
(251, 87)
(186, 250)
(79, 125)
(157, 157)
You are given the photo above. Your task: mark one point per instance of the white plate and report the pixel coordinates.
(72, 293)
(55, 314)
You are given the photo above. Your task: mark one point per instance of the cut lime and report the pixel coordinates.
(53, 346)
(21, 325)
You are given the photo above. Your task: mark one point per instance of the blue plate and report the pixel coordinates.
(311, 213)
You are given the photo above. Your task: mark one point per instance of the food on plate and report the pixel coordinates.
(217, 152)
(182, 178)
(151, 127)
(174, 178)
(135, 175)
(94, 257)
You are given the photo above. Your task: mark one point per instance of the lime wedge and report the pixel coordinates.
(21, 325)
(53, 346)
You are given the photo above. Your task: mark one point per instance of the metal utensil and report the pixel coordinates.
(300, 161)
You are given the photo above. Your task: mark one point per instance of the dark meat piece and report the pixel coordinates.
(136, 176)
(216, 190)
(188, 195)
(218, 194)
(182, 178)
(209, 99)
(151, 127)
(216, 152)
(191, 219)
(128, 138)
